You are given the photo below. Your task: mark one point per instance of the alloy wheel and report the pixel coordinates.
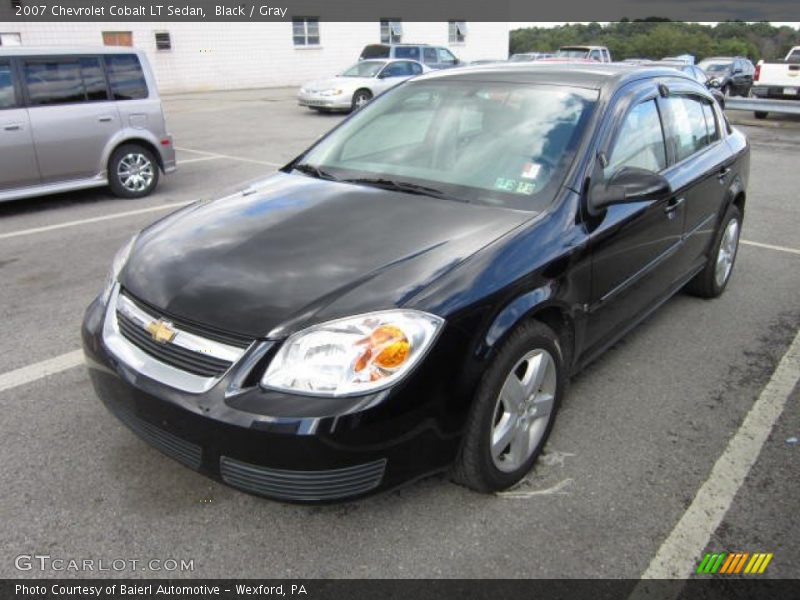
(727, 252)
(135, 172)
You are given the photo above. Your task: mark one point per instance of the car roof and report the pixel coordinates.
(65, 50)
(596, 76)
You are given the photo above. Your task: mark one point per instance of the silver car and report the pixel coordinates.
(355, 86)
(78, 118)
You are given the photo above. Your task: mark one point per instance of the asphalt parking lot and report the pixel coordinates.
(639, 433)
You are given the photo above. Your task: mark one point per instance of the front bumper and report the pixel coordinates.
(283, 446)
(312, 100)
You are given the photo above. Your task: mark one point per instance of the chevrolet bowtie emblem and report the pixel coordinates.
(161, 331)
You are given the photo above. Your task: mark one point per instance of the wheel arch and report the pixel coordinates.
(142, 140)
(537, 305)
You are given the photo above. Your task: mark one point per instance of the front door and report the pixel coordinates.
(18, 166)
(635, 245)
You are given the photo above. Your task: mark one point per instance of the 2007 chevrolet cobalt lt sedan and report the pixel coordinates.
(411, 293)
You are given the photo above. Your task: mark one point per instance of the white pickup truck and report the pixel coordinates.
(778, 79)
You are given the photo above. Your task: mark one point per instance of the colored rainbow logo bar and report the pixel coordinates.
(734, 563)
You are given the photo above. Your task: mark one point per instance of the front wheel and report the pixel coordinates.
(713, 279)
(361, 98)
(513, 411)
(132, 171)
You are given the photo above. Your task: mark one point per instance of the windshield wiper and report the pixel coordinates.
(402, 186)
(314, 171)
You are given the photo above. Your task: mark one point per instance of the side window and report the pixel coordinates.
(126, 77)
(416, 68)
(446, 57)
(429, 56)
(640, 142)
(93, 79)
(411, 52)
(54, 82)
(595, 55)
(606, 55)
(711, 122)
(688, 123)
(7, 99)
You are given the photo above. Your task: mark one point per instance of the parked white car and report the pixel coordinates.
(355, 86)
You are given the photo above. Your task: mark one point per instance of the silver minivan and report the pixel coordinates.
(78, 118)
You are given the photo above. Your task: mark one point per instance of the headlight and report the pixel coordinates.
(120, 258)
(336, 92)
(353, 356)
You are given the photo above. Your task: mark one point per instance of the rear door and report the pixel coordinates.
(18, 166)
(701, 172)
(72, 115)
(430, 57)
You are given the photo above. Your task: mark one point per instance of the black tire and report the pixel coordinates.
(361, 96)
(705, 284)
(760, 114)
(475, 467)
(149, 172)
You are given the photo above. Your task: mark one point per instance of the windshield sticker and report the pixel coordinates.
(531, 170)
(514, 186)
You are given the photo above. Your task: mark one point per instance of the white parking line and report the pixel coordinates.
(771, 247)
(678, 555)
(228, 156)
(185, 161)
(120, 215)
(39, 370)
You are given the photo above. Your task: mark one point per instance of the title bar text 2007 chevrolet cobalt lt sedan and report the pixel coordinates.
(411, 294)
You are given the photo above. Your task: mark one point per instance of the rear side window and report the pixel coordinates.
(375, 51)
(126, 77)
(7, 99)
(411, 52)
(430, 55)
(688, 123)
(640, 142)
(56, 82)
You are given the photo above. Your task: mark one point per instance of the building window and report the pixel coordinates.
(118, 38)
(457, 32)
(163, 40)
(10, 39)
(305, 31)
(391, 31)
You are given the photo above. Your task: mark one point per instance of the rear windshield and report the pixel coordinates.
(375, 51)
(573, 53)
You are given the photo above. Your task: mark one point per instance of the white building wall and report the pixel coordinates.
(214, 56)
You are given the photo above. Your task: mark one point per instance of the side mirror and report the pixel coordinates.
(629, 184)
(713, 83)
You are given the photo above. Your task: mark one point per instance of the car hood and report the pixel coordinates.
(295, 250)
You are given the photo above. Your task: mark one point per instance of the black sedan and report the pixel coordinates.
(411, 294)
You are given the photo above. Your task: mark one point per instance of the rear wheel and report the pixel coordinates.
(713, 279)
(361, 98)
(132, 171)
(759, 114)
(513, 411)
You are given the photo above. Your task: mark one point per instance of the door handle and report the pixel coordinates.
(13, 127)
(673, 204)
(104, 119)
(723, 174)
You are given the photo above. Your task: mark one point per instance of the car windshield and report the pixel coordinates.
(572, 53)
(715, 67)
(506, 144)
(366, 68)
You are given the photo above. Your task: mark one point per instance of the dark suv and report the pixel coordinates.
(733, 75)
(435, 57)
